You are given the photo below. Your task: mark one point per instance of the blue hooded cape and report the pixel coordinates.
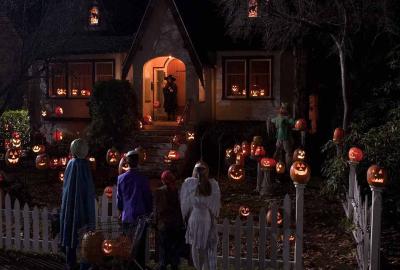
(78, 202)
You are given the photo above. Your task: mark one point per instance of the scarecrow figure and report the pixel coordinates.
(170, 91)
(284, 141)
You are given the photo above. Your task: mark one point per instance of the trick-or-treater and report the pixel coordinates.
(170, 92)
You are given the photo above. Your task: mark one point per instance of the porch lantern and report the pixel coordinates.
(299, 154)
(58, 135)
(12, 157)
(267, 163)
(236, 173)
(376, 176)
(300, 172)
(338, 135)
(355, 154)
(113, 157)
(108, 191)
(58, 111)
(38, 148)
(280, 167)
(244, 211)
(300, 125)
(42, 162)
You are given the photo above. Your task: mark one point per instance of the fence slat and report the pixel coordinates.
(249, 253)
(54, 240)
(274, 213)
(17, 225)
(225, 244)
(262, 239)
(114, 202)
(104, 209)
(286, 232)
(1, 218)
(27, 228)
(238, 228)
(8, 212)
(45, 230)
(35, 236)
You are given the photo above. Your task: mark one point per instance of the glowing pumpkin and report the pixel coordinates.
(253, 147)
(229, 155)
(42, 162)
(279, 217)
(108, 191)
(63, 161)
(61, 176)
(107, 247)
(147, 119)
(58, 135)
(190, 136)
(173, 155)
(16, 140)
(113, 157)
(92, 162)
(267, 163)
(299, 154)
(54, 163)
(236, 172)
(244, 211)
(237, 148)
(38, 149)
(12, 157)
(240, 159)
(376, 176)
(43, 113)
(338, 135)
(259, 152)
(300, 125)
(280, 167)
(300, 172)
(246, 148)
(58, 111)
(123, 166)
(355, 154)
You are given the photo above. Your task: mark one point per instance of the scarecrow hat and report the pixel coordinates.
(170, 77)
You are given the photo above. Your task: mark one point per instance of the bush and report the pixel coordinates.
(113, 110)
(15, 121)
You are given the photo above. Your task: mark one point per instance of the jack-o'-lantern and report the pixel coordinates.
(355, 154)
(54, 163)
(338, 135)
(240, 159)
(259, 152)
(123, 166)
(108, 191)
(173, 155)
(190, 136)
(253, 147)
(300, 125)
(43, 113)
(300, 172)
(299, 154)
(142, 154)
(235, 89)
(85, 93)
(7, 144)
(257, 140)
(279, 217)
(58, 111)
(107, 247)
(12, 157)
(267, 163)
(92, 162)
(237, 148)
(42, 162)
(16, 139)
(61, 176)
(140, 125)
(229, 156)
(180, 120)
(376, 176)
(245, 148)
(244, 211)
(113, 157)
(147, 119)
(63, 161)
(61, 92)
(236, 172)
(280, 167)
(74, 92)
(58, 135)
(38, 149)
(156, 104)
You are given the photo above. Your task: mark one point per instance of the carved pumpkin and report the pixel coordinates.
(236, 172)
(58, 111)
(355, 154)
(107, 247)
(85, 93)
(240, 159)
(42, 162)
(58, 135)
(140, 125)
(173, 155)
(279, 217)
(300, 172)
(38, 149)
(376, 176)
(229, 156)
(61, 92)
(257, 140)
(259, 152)
(43, 113)
(338, 135)
(63, 161)
(123, 166)
(16, 140)
(190, 136)
(74, 92)
(244, 211)
(246, 149)
(7, 144)
(300, 125)
(280, 167)
(92, 162)
(147, 119)
(237, 148)
(61, 176)
(54, 163)
(299, 154)
(267, 163)
(12, 157)
(113, 157)
(108, 191)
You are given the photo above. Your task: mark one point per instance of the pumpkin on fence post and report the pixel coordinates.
(355, 155)
(376, 176)
(300, 172)
(299, 154)
(108, 191)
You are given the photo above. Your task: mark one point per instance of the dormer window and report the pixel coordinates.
(94, 16)
(252, 8)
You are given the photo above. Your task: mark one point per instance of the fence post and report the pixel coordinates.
(375, 227)
(352, 181)
(298, 250)
(303, 138)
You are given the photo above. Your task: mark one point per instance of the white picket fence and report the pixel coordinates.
(248, 243)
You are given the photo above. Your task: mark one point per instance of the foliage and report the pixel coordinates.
(114, 114)
(15, 121)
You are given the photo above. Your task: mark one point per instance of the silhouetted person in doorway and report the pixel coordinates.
(170, 92)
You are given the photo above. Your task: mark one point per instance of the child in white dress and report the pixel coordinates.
(200, 205)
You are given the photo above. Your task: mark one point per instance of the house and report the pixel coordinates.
(144, 41)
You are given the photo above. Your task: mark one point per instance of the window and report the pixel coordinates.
(94, 16)
(252, 8)
(75, 79)
(247, 78)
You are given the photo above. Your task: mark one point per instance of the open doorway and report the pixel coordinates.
(154, 72)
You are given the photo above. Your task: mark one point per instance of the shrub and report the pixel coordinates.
(114, 114)
(15, 121)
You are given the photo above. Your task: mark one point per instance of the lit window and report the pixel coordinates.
(94, 16)
(104, 71)
(235, 78)
(253, 8)
(260, 79)
(57, 80)
(80, 79)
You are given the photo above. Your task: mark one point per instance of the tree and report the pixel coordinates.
(283, 24)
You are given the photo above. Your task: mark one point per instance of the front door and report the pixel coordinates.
(158, 98)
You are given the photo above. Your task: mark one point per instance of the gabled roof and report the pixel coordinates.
(182, 28)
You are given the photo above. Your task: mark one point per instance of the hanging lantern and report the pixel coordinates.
(279, 217)
(244, 211)
(113, 157)
(123, 166)
(338, 135)
(300, 172)
(300, 125)
(299, 154)
(38, 149)
(58, 135)
(190, 136)
(280, 167)
(376, 176)
(108, 191)
(12, 157)
(147, 119)
(58, 111)
(246, 149)
(259, 152)
(92, 162)
(42, 162)
(267, 163)
(236, 172)
(355, 154)
(61, 176)
(54, 163)
(240, 159)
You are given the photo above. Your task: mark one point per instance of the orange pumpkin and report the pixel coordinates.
(54, 163)
(108, 191)
(58, 111)
(267, 163)
(300, 124)
(376, 176)
(12, 157)
(240, 159)
(244, 211)
(113, 157)
(190, 136)
(108, 247)
(237, 148)
(147, 119)
(173, 155)
(355, 154)
(300, 172)
(279, 217)
(245, 148)
(299, 154)
(236, 172)
(42, 162)
(58, 135)
(338, 135)
(280, 167)
(38, 149)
